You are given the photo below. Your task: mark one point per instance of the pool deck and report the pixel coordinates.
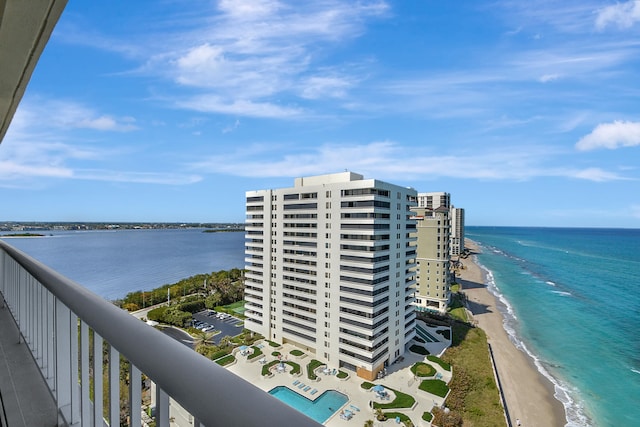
(399, 377)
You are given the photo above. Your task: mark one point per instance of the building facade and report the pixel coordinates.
(457, 231)
(330, 267)
(433, 259)
(434, 200)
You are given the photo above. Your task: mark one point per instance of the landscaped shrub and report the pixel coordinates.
(265, 368)
(156, 314)
(192, 306)
(218, 354)
(427, 416)
(311, 367)
(394, 415)
(275, 353)
(442, 363)
(419, 349)
(367, 385)
(421, 369)
(256, 353)
(226, 360)
(342, 375)
(295, 368)
(437, 387)
(402, 400)
(296, 352)
(273, 344)
(445, 333)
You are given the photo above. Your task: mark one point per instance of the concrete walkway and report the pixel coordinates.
(25, 395)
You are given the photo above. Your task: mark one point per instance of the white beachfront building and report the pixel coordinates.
(433, 251)
(457, 231)
(331, 268)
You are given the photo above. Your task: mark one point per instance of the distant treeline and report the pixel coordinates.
(214, 289)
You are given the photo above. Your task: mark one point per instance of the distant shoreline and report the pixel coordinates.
(21, 235)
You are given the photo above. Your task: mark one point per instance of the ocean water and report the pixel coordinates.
(571, 299)
(114, 263)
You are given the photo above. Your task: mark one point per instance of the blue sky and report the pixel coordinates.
(527, 112)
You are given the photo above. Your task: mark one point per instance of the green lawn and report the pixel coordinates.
(442, 363)
(226, 360)
(311, 367)
(393, 415)
(421, 369)
(402, 400)
(437, 387)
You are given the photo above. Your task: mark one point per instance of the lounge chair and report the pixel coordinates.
(307, 388)
(296, 382)
(314, 391)
(301, 385)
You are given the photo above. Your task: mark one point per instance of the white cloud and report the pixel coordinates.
(549, 78)
(12, 171)
(325, 87)
(246, 51)
(39, 145)
(249, 9)
(231, 128)
(611, 136)
(388, 160)
(66, 114)
(595, 174)
(162, 178)
(240, 107)
(622, 15)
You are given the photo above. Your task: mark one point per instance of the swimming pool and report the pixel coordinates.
(327, 404)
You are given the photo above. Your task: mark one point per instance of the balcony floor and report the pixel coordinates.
(26, 397)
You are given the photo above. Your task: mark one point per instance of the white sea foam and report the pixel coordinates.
(563, 293)
(574, 409)
(635, 370)
(550, 283)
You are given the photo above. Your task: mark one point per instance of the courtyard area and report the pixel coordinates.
(278, 366)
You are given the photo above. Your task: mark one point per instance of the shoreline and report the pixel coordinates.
(529, 395)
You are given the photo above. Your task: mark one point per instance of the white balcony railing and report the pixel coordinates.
(73, 333)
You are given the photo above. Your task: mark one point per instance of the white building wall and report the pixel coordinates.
(457, 231)
(333, 251)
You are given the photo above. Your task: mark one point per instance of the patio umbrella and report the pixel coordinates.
(243, 348)
(378, 388)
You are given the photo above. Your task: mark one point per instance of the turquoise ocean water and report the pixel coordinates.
(571, 299)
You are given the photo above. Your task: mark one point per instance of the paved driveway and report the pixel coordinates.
(231, 326)
(179, 336)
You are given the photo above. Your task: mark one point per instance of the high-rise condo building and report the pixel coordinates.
(457, 231)
(433, 258)
(330, 267)
(434, 200)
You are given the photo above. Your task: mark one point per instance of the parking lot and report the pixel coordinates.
(225, 323)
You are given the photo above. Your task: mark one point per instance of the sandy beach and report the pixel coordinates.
(528, 394)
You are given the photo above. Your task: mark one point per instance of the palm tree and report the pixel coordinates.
(202, 337)
(368, 423)
(225, 341)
